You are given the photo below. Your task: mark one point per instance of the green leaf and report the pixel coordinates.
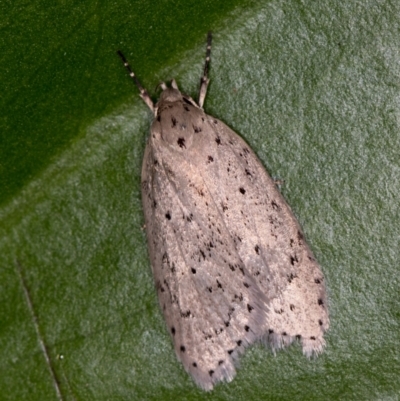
(314, 89)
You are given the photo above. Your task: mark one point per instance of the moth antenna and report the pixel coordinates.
(143, 92)
(204, 80)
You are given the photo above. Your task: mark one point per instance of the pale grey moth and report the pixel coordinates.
(229, 259)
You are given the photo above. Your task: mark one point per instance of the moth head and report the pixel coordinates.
(170, 95)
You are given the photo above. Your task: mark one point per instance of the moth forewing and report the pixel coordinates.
(229, 259)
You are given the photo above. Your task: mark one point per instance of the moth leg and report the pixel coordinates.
(143, 92)
(204, 80)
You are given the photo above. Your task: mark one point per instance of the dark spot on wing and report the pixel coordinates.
(181, 142)
(275, 205)
(186, 314)
(300, 237)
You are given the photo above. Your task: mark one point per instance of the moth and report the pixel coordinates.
(230, 262)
